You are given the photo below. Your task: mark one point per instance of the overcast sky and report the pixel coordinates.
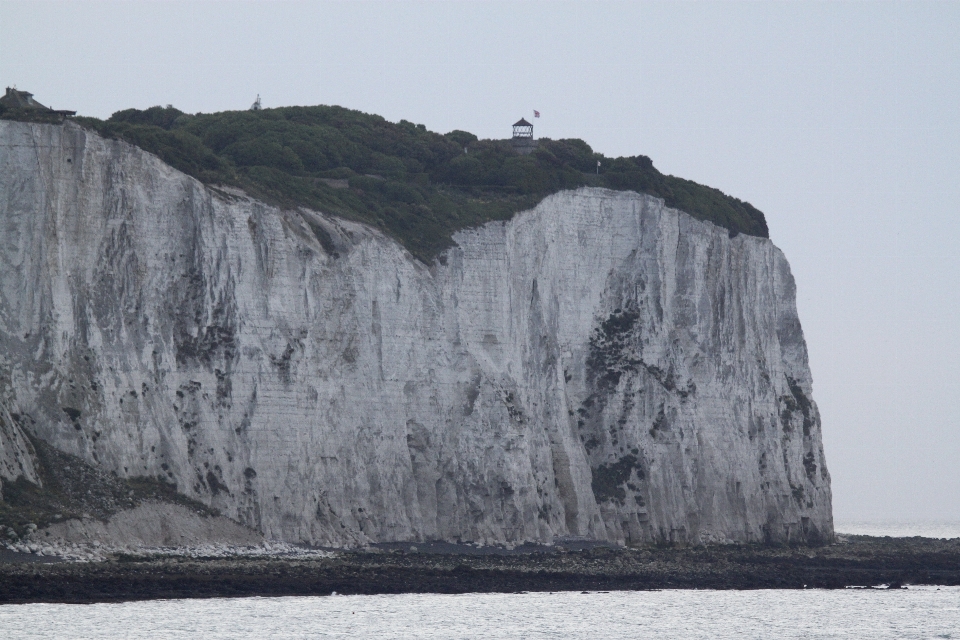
(840, 121)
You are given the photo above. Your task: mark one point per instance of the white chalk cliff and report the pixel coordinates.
(600, 366)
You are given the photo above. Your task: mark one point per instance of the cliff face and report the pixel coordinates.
(599, 366)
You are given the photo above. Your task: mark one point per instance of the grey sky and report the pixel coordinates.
(840, 121)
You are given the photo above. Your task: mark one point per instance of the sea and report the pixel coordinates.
(917, 611)
(914, 612)
(899, 528)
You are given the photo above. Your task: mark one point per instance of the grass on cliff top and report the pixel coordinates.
(416, 185)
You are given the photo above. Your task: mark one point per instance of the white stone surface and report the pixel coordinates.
(599, 366)
(16, 454)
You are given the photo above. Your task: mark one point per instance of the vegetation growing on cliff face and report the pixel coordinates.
(417, 185)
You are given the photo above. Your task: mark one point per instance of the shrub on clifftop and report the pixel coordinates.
(417, 185)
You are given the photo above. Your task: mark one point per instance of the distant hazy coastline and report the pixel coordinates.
(899, 528)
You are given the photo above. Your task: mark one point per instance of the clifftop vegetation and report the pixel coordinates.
(416, 185)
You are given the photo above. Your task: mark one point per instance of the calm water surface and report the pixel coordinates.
(899, 528)
(917, 612)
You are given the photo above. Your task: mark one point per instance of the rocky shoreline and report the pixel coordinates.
(854, 561)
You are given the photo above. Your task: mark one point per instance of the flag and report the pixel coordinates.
(536, 114)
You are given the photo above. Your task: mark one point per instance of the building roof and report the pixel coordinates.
(522, 123)
(15, 99)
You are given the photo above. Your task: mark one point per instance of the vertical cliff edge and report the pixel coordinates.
(600, 366)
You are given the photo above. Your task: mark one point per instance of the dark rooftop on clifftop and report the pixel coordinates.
(16, 99)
